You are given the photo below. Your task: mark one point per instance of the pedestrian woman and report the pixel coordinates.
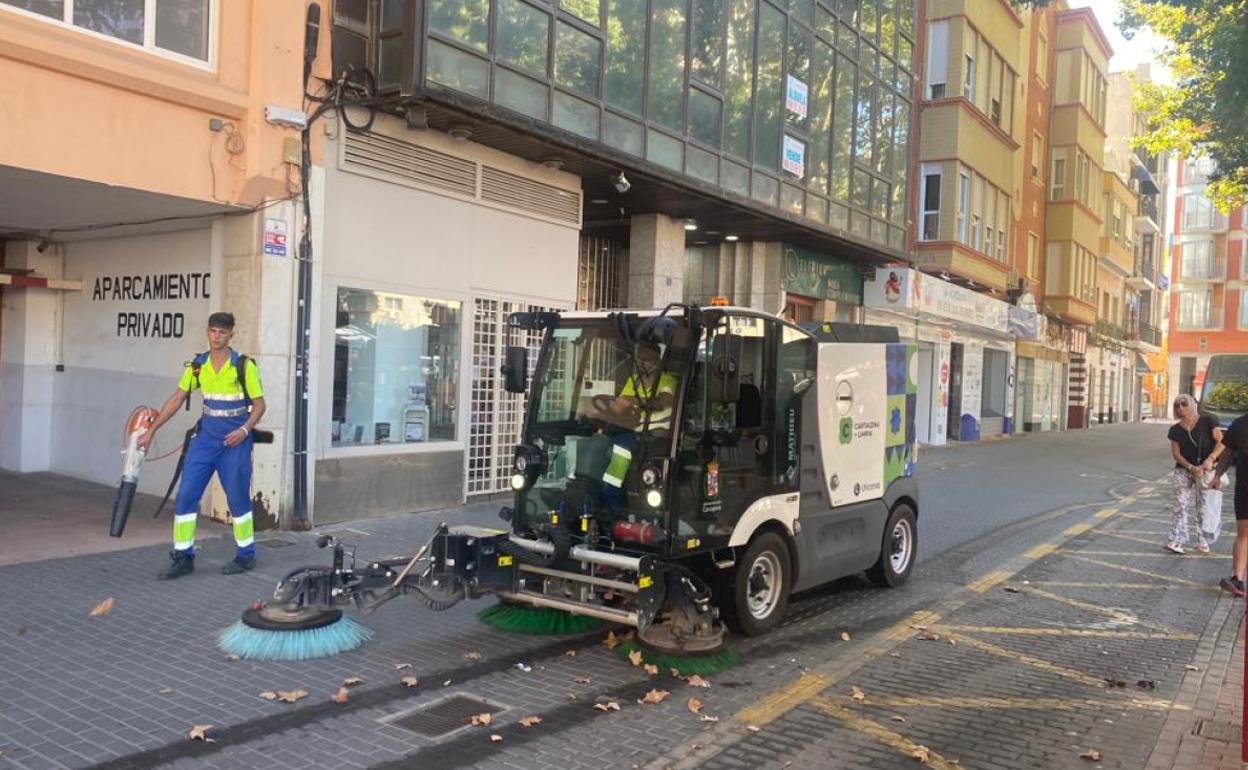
(1195, 444)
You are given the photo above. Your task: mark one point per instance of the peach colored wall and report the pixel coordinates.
(89, 108)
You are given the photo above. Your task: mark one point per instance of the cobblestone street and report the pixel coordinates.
(1044, 623)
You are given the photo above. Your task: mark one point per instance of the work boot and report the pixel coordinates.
(239, 565)
(180, 564)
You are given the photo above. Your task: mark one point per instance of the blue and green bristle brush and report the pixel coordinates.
(273, 632)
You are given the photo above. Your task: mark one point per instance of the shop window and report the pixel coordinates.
(396, 369)
(467, 21)
(180, 27)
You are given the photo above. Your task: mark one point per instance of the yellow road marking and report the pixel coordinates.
(1041, 551)
(1119, 615)
(1148, 516)
(780, 702)
(988, 581)
(881, 733)
(1077, 529)
(1134, 571)
(1127, 500)
(1038, 663)
(1017, 631)
(905, 629)
(1028, 704)
(1105, 513)
(1118, 586)
(1160, 553)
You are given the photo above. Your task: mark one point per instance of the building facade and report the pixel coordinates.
(139, 178)
(1208, 312)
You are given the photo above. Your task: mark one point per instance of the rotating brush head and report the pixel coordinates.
(274, 633)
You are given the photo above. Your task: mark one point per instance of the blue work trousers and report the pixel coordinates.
(232, 464)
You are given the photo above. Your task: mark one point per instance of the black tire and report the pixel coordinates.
(900, 533)
(766, 555)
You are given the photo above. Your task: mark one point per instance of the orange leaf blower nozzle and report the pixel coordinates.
(140, 422)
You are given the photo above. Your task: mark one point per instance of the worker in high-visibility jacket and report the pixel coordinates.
(222, 442)
(641, 405)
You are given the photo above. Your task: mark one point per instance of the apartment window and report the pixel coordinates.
(1196, 259)
(1243, 308)
(1197, 212)
(977, 213)
(969, 87)
(964, 205)
(1037, 155)
(1059, 175)
(929, 213)
(937, 58)
(1033, 255)
(1194, 309)
(1042, 58)
(1052, 275)
(1003, 222)
(179, 27)
(396, 369)
(990, 217)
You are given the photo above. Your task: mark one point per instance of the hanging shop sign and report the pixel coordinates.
(811, 274)
(908, 290)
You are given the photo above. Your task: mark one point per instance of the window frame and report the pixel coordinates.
(964, 206)
(148, 45)
(927, 173)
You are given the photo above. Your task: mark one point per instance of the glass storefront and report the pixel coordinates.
(800, 105)
(396, 369)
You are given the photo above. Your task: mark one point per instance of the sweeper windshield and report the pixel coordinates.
(600, 426)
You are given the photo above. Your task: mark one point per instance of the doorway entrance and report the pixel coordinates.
(954, 429)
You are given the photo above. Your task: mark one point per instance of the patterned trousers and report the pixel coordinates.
(1185, 502)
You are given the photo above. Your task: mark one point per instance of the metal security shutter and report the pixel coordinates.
(497, 416)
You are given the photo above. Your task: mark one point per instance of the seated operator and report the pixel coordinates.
(656, 390)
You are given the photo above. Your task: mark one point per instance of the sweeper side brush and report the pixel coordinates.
(685, 663)
(537, 621)
(276, 633)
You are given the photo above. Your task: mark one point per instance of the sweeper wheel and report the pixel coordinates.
(275, 617)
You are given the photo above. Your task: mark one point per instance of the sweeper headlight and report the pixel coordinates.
(527, 465)
(519, 482)
(654, 498)
(650, 477)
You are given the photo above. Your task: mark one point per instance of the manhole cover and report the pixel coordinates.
(438, 719)
(1227, 732)
(274, 542)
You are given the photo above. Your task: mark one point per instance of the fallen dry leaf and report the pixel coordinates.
(1112, 683)
(953, 642)
(472, 655)
(495, 738)
(921, 754)
(165, 690)
(401, 666)
(581, 680)
(479, 720)
(928, 636)
(608, 706)
(1146, 684)
(290, 696)
(232, 656)
(200, 733)
(753, 728)
(1190, 667)
(844, 636)
(655, 696)
(611, 641)
(341, 696)
(708, 718)
(694, 705)
(1092, 755)
(102, 609)
(570, 653)
(351, 681)
(1010, 589)
(896, 718)
(268, 695)
(410, 681)
(447, 683)
(530, 721)
(697, 681)
(21, 630)
(856, 693)
(894, 655)
(634, 657)
(651, 669)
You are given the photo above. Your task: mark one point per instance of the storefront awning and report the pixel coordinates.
(1141, 365)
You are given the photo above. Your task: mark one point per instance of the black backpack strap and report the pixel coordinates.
(196, 364)
(240, 370)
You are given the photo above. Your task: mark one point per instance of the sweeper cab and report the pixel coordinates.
(677, 470)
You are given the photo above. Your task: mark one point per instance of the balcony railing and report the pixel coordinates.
(1109, 329)
(1209, 321)
(1203, 270)
(1148, 208)
(1142, 332)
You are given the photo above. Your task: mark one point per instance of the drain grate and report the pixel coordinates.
(438, 719)
(1227, 732)
(274, 542)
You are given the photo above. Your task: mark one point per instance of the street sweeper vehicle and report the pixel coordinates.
(678, 470)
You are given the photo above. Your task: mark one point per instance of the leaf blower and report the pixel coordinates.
(140, 422)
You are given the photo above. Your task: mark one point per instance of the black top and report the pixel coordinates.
(1236, 440)
(1196, 444)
